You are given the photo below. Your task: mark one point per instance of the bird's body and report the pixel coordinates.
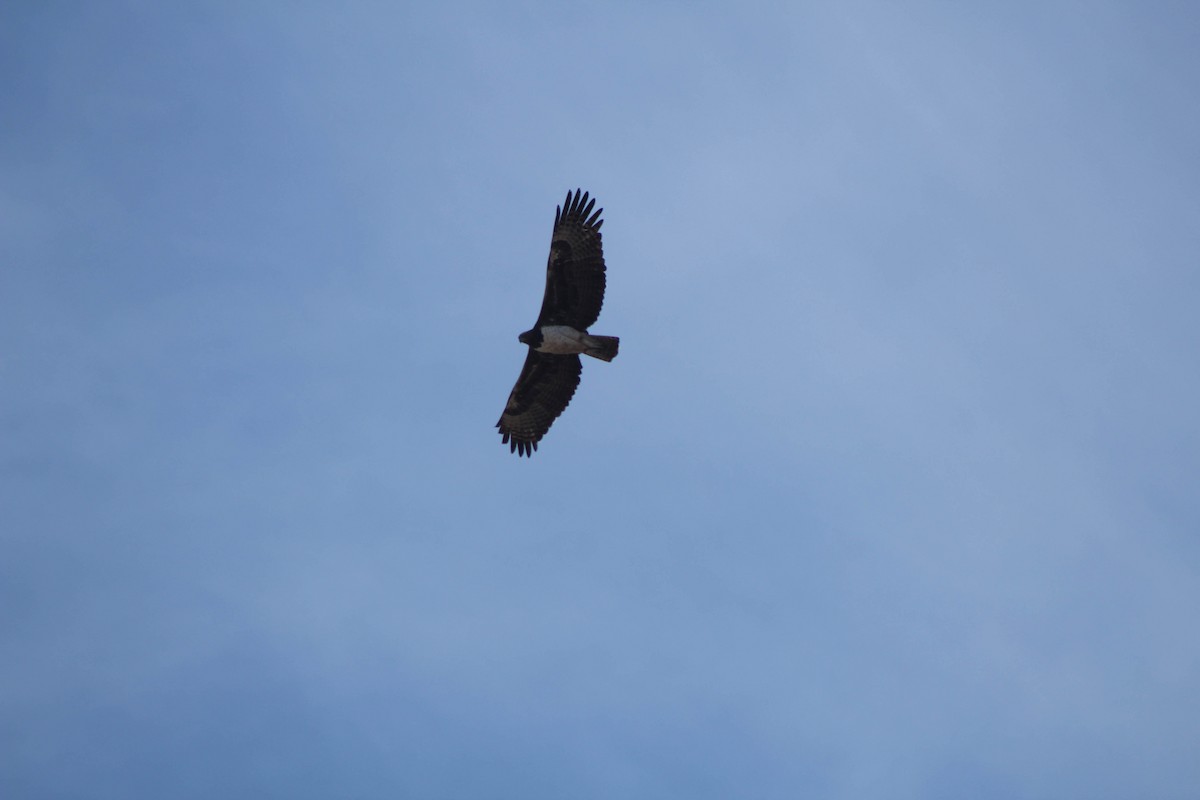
(575, 282)
(563, 340)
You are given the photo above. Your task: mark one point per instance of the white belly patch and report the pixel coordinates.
(561, 340)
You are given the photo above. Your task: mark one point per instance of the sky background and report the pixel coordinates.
(890, 493)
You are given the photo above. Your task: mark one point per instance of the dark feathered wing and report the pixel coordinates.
(575, 270)
(545, 387)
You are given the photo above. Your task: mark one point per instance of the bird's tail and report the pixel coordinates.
(602, 347)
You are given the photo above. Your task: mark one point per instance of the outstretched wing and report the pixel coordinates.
(575, 270)
(547, 383)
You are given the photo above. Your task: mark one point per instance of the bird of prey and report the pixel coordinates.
(574, 294)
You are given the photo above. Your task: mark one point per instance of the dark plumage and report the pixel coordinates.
(575, 284)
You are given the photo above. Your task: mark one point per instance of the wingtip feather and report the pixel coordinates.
(578, 207)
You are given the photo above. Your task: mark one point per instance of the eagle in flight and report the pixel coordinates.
(574, 294)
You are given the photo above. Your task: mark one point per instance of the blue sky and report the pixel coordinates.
(890, 493)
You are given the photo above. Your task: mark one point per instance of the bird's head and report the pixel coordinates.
(526, 338)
